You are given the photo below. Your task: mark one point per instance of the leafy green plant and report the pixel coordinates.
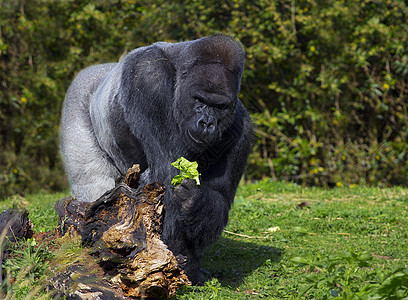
(26, 254)
(27, 268)
(187, 169)
(350, 275)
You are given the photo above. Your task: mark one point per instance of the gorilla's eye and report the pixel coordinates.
(221, 106)
(198, 104)
(199, 99)
(202, 101)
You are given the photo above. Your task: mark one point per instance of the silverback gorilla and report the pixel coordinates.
(157, 104)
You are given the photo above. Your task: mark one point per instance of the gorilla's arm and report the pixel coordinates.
(197, 214)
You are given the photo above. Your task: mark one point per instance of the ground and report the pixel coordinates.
(284, 241)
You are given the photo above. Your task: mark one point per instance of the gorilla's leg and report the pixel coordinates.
(89, 170)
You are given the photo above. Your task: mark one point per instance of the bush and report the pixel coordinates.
(333, 110)
(326, 82)
(43, 43)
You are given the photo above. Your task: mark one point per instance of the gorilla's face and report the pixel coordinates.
(207, 100)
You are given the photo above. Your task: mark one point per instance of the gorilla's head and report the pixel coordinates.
(207, 90)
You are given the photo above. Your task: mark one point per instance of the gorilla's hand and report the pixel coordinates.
(187, 194)
(193, 206)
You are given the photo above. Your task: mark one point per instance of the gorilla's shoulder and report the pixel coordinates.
(95, 70)
(145, 60)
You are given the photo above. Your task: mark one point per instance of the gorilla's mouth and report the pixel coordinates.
(196, 140)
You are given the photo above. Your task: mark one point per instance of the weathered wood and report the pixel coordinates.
(132, 176)
(14, 225)
(123, 231)
(123, 255)
(84, 279)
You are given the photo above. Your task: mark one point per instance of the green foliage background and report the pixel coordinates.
(325, 81)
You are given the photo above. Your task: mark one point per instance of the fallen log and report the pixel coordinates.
(123, 255)
(123, 231)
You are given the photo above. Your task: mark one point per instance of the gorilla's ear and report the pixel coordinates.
(220, 49)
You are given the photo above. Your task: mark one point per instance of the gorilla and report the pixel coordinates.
(158, 103)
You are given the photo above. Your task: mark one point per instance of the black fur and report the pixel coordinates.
(157, 104)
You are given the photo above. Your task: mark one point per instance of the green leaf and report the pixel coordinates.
(300, 231)
(187, 169)
(300, 260)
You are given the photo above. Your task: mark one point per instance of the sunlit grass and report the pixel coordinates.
(286, 241)
(40, 207)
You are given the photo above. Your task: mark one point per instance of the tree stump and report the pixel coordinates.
(123, 255)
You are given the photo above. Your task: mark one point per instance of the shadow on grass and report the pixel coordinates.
(230, 260)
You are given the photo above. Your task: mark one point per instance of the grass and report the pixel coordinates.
(288, 242)
(40, 207)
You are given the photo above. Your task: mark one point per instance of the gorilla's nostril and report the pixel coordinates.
(211, 128)
(206, 125)
(206, 122)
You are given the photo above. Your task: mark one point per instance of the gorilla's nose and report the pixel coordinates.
(206, 125)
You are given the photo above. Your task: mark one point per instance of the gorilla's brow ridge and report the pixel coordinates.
(199, 62)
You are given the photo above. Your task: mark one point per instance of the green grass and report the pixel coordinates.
(344, 243)
(40, 207)
(347, 242)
